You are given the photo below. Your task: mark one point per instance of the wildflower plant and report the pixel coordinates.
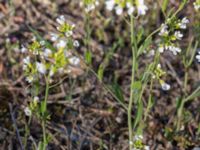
(129, 5)
(170, 33)
(89, 5)
(196, 5)
(44, 61)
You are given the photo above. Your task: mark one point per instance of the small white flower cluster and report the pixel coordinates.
(169, 39)
(63, 27)
(197, 5)
(158, 73)
(171, 48)
(198, 56)
(120, 6)
(165, 86)
(51, 59)
(183, 23)
(62, 43)
(89, 5)
(138, 144)
(29, 110)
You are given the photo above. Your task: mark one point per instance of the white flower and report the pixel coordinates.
(74, 61)
(26, 60)
(29, 79)
(36, 99)
(54, 36)
(151, 53)
(60, 20)
(23, 49)
(141, 7)
(159, 66)
(163, 30)
(130, 142)
(42, 42)
(198, 56)
(183, 23)
(138, 137)
(61, 44)
(41, 67)
(118, 10)
(76, 43)
(110, 4)
(97, 3)
(196, 6)
(52, 71)
(174, 49)
(161, 49)
(47, 52)
(69, 33)
(131, 10)
(185, 20)
(128, 5)
(146, 147)
(165, 86)
(27, 111)
(178, 35)
(90, 7)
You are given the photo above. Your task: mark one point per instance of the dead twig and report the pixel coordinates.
(15, 126)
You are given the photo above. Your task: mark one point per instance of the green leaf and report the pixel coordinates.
(43, 107)
(164, 5)
(88, 57)
(194, 95)
(139, 114)
(118, 92)
(100, 72)
(137, 85)
(140, 34)
(40, 145)
(178, 103)
(193, 51)
(144, 46)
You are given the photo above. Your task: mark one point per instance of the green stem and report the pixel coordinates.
(131, 100)
(149, 100)
(185, 82)
(44, 113)
(87, 37)
(180, 110)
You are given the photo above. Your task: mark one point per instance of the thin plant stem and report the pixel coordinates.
(185, 81)
(180, 110)
(131, 100)
(191, 96)
(43, 115)
(44, 135)
(108, 89)
(149, 100)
